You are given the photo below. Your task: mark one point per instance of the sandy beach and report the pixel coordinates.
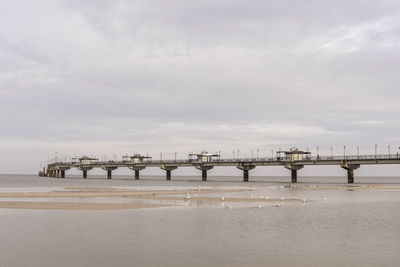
(76, 205)
(142, 198)
(109, 198)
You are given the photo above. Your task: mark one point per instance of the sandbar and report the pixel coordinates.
(76, 205)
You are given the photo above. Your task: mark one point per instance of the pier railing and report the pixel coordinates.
(347, 162)
(232, 160)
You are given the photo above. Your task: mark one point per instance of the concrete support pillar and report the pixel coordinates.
(350, 170)
(245, 175)
(350, 176)
(294, 176)
(84, 170)
(245, 168)
(204, 169)
(109, 170)
(62, 173)
(137, 168)
(204, 175)
(293, 169)
(58, 173)
(168, 169)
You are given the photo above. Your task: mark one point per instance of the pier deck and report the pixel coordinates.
(350, 163)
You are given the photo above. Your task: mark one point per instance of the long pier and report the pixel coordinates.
(292, 160)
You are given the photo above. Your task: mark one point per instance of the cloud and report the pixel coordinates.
(217, 75)
(367, 35)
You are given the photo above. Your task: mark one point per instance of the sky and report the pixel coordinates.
(109, 78)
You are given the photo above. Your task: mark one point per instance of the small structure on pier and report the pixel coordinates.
(204, 156)
(84, 160)
(293, 155)
(136, 158)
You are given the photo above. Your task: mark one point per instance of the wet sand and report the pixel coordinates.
(116, 199)
(147, 198)
(345, 187)
(108, 192)
(76, 205)
(227, 199)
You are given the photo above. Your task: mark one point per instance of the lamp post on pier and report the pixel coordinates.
(389, 151)
(358, 152)
(376, 150)
(344, 152)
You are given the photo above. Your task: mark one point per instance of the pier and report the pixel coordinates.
(293, 160)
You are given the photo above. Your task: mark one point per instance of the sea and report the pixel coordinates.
(337, 225)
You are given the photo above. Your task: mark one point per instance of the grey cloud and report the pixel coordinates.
(219, 74)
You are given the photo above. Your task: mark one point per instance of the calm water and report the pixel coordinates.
(342, 228)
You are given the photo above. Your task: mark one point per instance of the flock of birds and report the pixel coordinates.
(187, 197)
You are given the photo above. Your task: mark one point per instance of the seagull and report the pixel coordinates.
(304, 200)
(276, 205)
(282, 198)
(187, 196)
(259, 206)
(222, 198)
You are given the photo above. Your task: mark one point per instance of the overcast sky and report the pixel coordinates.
(121, 77)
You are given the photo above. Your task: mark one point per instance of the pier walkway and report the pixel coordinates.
(292, 160)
